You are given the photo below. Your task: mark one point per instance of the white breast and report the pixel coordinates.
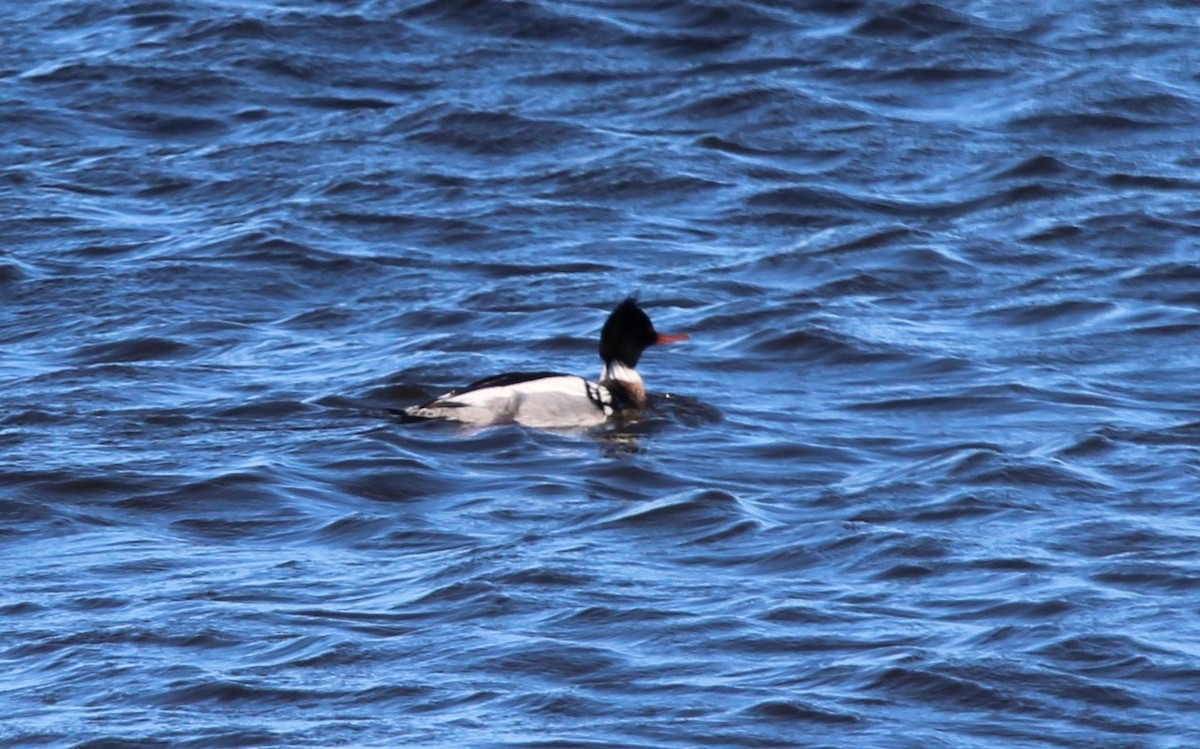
(562, 401)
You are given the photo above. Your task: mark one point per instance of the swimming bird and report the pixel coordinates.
(551, 399)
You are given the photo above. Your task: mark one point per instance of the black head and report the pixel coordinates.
(627, 333)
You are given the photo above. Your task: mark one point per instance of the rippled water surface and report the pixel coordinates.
(926, 475)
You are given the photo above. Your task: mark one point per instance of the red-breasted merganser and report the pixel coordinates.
(549, 399)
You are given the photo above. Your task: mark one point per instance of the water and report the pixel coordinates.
(926, 474)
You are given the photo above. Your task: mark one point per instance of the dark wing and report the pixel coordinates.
(503, 380)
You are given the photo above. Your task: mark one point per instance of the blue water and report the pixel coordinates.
(927, 473)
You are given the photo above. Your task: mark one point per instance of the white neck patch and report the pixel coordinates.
(628, 377)
(621, 373)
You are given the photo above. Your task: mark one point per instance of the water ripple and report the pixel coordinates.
(926, 468)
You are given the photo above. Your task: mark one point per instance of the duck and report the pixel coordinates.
(549, 400)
